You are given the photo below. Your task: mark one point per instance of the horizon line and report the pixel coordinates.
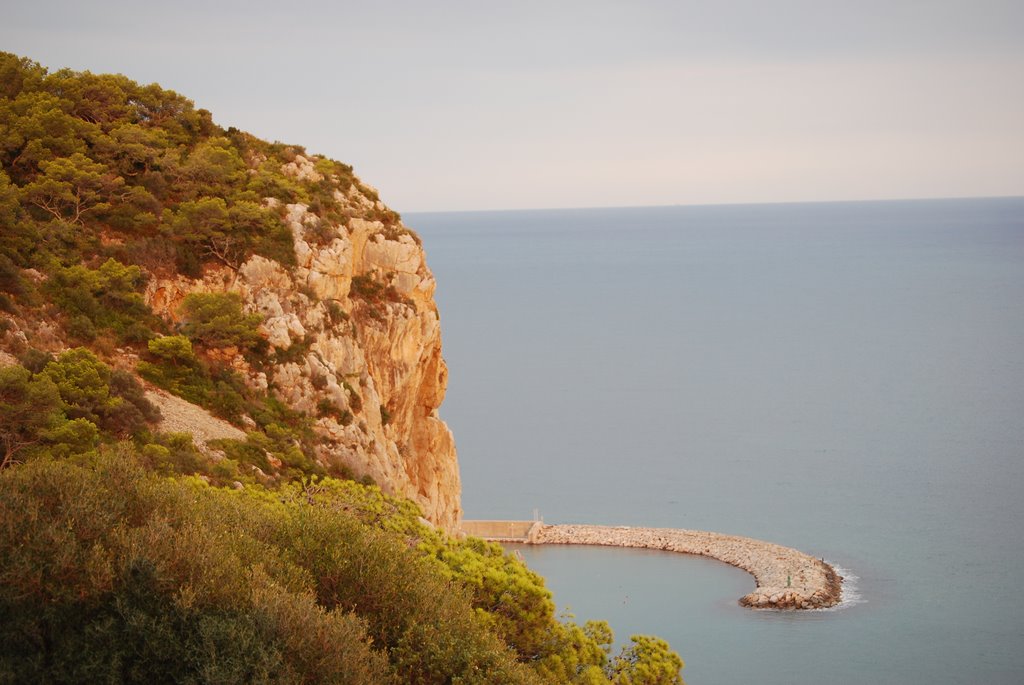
(718, 204)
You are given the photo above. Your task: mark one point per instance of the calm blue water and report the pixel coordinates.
(844, 378)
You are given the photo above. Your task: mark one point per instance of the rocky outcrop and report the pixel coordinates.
(355, 334)
(786, 578)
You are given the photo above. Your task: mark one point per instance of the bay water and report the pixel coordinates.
(843, 378)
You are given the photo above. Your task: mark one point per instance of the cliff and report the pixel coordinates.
(118, 201)
(356, 322)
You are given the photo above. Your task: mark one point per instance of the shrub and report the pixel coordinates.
(175, 350)
(72, 438)
(226, 401)
(335, 313)
(647, 661)
(34, 360)
(355, 400)
(113, 400)
(229, 230)
(216, 320)
(327, 408)
(29, 407)
(176, 369)
(375, 295)
(172, 453)
(83, 382)
(81, 328)
(135, 411)
(294, 353)
(138, 579)
(322, 232)
(248, 451)
(366, 288)
(107, 298)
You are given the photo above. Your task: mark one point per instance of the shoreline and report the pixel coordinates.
(786, 578)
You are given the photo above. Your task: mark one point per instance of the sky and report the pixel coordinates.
(506, 105)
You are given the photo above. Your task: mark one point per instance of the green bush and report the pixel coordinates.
(216, 320)
(29, 408)
(134, 413)
(76, 437)
(355, 400)
(172, 453)
(366, 288)
(273, 442)
(374, 296)
(176, 369)
(34, 360)
(294, 353)
(335, 313)
(107, 298)
(89, 389)
(226, 400)
(510, 600)
(647, 661)
(326, 408)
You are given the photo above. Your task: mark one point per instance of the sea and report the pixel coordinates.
(845, 378)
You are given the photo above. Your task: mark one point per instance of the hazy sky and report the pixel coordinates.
(487, 105)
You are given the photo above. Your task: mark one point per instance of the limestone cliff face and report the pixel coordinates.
(356, 335)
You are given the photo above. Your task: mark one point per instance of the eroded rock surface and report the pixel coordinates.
(357, 318)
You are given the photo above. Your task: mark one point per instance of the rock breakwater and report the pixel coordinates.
(786, 578)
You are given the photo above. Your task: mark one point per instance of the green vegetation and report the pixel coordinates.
(327, 408)
(157, 182)
(103, 299)
(111, 575)
(112, 572)
(30, 408)
(216, 320)
(336, 314)
(64, 407)
(283, 434)
(90, 390)
(132, 555)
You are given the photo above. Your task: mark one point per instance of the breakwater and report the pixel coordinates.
(786, 578)
(502, 531)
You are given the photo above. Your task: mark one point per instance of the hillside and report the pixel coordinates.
(220, 458)
(136, 200)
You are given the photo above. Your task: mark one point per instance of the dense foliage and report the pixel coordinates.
(112, 572)
(161, 183)
(130, 555)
